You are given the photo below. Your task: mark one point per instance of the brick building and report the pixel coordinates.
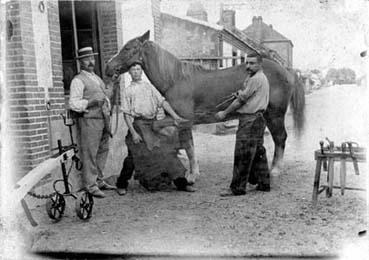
(268, 37)
(41, 40)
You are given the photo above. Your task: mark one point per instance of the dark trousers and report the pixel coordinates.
(126, 172)
(250, 161)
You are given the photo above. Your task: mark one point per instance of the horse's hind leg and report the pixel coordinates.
(275, 124)
(186, 139)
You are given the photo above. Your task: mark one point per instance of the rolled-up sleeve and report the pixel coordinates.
(158, 97)
(126, 104)
(76, 101)
(250, 87)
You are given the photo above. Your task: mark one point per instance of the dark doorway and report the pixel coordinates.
(78, 29)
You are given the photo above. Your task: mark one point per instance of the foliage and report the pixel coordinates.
(341, 76)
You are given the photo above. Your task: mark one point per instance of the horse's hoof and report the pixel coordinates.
(191, 178)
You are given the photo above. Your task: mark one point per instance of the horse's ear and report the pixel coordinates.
(145, 36)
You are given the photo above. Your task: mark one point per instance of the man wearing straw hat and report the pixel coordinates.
(89, 97)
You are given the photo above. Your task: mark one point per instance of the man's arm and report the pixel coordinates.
(129, 121)
(168, 108)
(242, 96)
(76, 101)
(221, 115)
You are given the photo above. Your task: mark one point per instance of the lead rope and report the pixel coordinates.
(117, 90)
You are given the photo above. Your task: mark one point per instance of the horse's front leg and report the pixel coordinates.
(194, 165)
(186, 140)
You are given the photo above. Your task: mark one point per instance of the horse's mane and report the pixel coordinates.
(173, 69)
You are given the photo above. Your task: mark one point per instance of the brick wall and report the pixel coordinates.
(56, 91)
(155, 6)
(26, 98)
(108, 30)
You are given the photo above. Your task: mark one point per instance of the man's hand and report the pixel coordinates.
(136, 138)
(221, 115)
(115, 77)
(180, 120)
(95, 102)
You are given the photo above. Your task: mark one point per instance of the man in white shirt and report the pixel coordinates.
(143, 108)
(91, 99)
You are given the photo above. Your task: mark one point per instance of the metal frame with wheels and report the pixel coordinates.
(55, 204)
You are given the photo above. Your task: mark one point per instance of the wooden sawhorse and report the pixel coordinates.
(346, 153)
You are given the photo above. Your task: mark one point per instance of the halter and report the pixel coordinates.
(139, 52)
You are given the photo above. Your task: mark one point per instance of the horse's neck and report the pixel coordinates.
(162, 68)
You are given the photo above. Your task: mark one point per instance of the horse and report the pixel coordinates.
(194, 91)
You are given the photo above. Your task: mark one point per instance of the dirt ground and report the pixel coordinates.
(279, 223)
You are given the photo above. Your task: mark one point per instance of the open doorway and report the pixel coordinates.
(78, 28)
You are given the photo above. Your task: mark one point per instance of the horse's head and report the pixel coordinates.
(130, 52)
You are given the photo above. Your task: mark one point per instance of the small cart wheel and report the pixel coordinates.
(55, 206)
(84, 204)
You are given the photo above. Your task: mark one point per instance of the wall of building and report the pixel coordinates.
(26, 96)
(186, 39)
(34, 76)
(155, 9)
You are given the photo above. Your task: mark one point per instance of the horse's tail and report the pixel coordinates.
(298, 103)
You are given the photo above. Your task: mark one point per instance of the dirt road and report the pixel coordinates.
(281, 222)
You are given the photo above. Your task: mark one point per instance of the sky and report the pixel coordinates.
(325, 33)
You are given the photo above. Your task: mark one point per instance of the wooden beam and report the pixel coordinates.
(35, 175)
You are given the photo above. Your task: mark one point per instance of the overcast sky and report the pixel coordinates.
(325, 33)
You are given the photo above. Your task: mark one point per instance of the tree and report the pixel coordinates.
(341, 76)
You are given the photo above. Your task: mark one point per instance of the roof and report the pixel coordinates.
(196, 21)
(263, 32)
(240, 35)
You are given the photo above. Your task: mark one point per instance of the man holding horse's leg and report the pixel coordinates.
(250, 161)
(150, 138)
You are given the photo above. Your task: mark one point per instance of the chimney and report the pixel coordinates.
(257, 22)
(196, 10)
(228, 18)
(254, 20)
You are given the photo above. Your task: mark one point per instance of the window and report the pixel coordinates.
(86, 30)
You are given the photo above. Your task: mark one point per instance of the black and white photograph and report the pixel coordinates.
(184, 129)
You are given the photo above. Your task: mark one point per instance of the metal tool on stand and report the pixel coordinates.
(348, 151)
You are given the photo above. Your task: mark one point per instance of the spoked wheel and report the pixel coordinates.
(84, 204)
(55, 207)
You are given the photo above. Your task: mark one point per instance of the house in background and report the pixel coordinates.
(193, 38)
(268, 37)
(219, 45)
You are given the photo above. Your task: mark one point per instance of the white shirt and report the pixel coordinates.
(76, 100)
(141, 99)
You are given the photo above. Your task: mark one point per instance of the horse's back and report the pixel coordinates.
(281, 83)
(197, 96)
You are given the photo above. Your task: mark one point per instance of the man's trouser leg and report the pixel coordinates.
(244, 155)
(91, 133)
(126, 172)
(102, 156)
(260, 169)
